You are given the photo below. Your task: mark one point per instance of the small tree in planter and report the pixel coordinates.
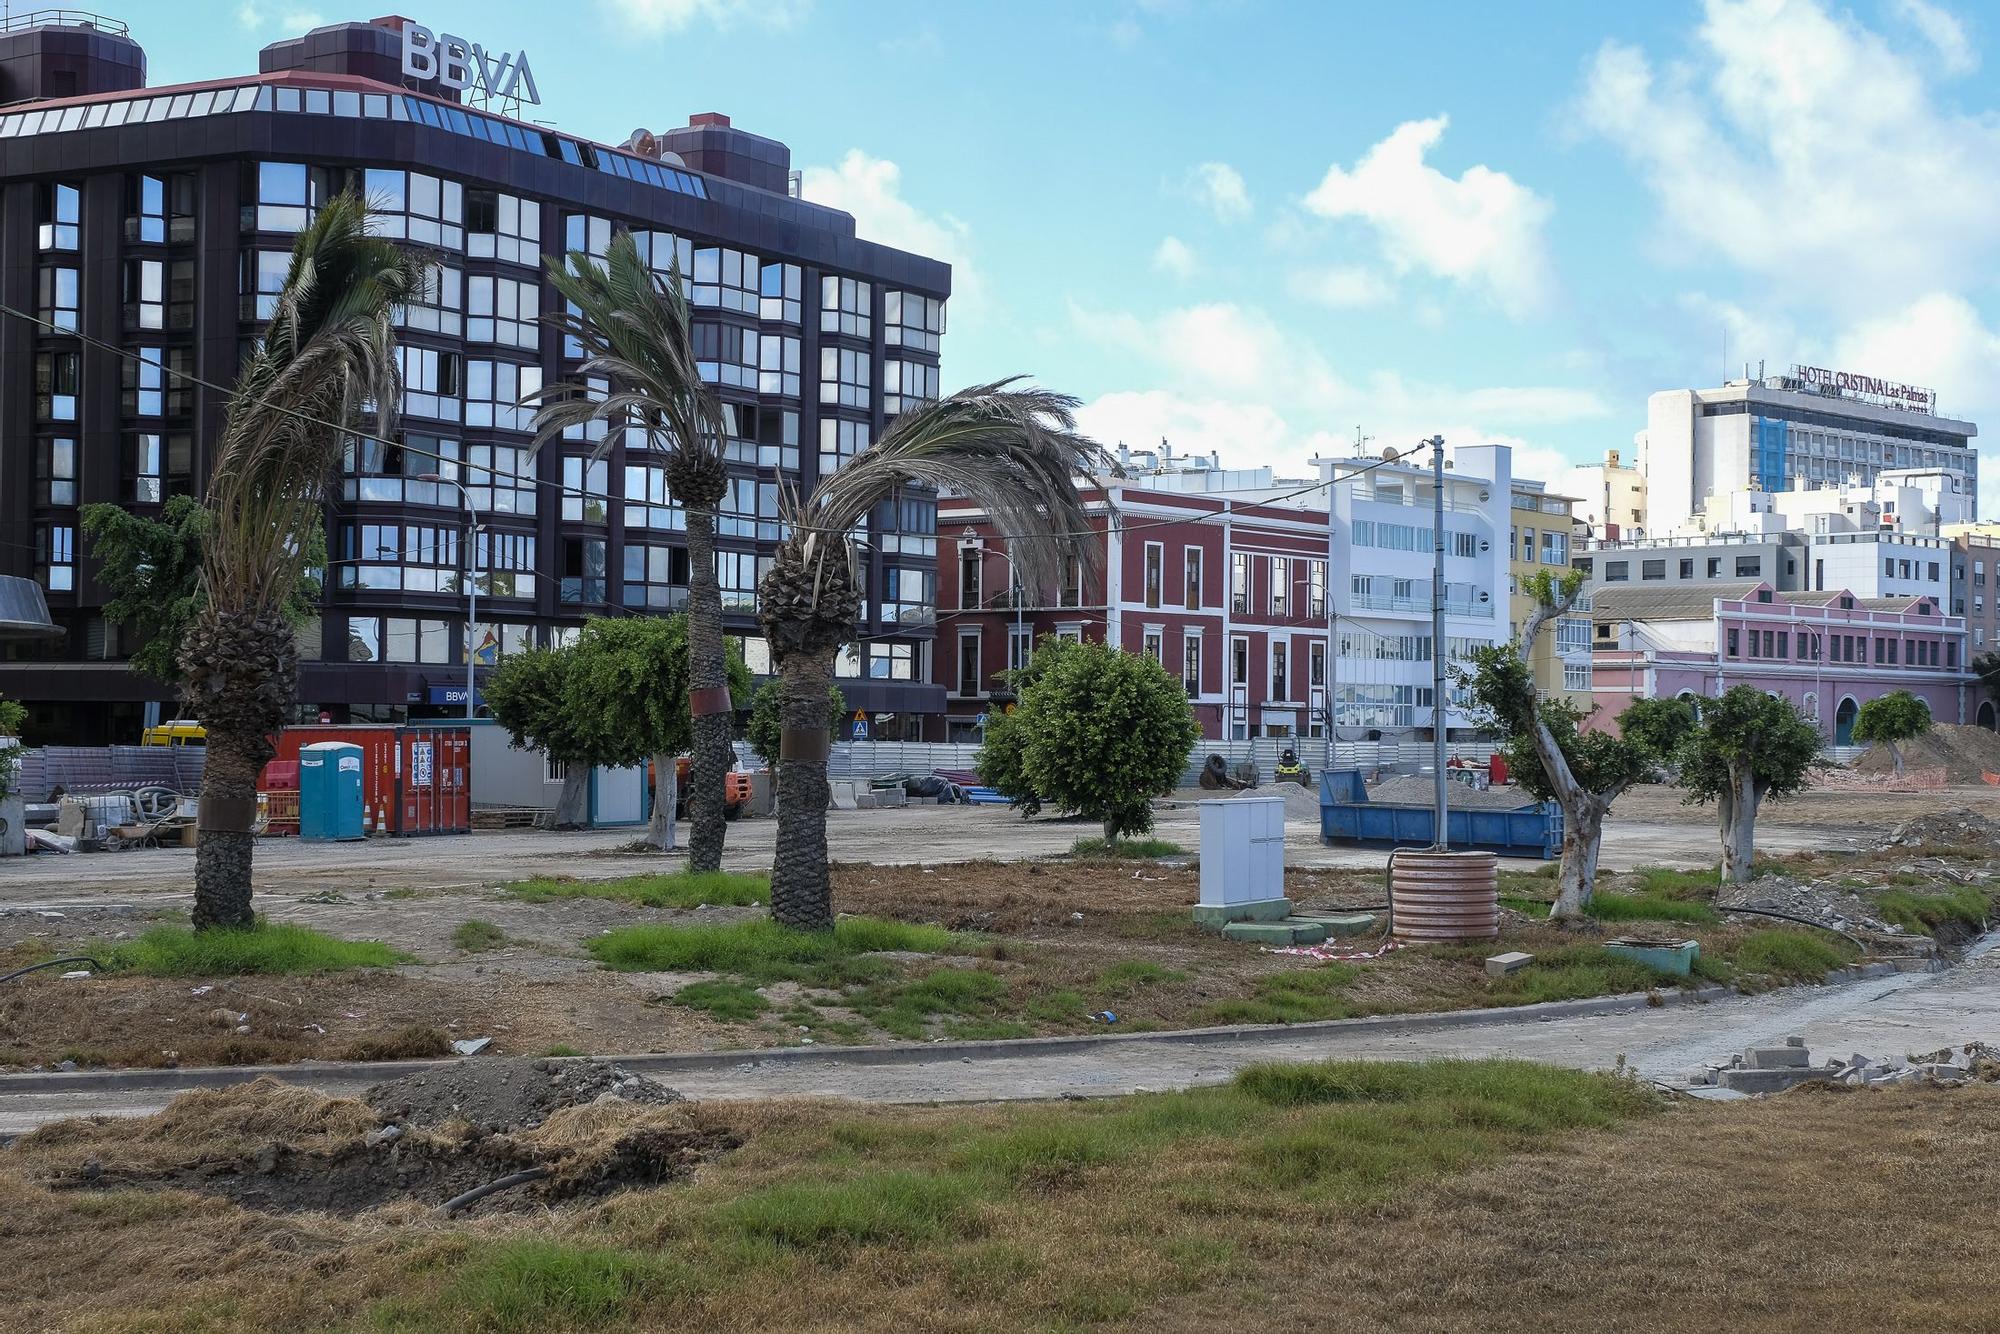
(1893, 719)
(1102, 732)
(1744, 746)
(1551, 755)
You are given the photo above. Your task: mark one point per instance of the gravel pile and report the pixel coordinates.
(509, 1093)
(1420, 790)
(1821, 903)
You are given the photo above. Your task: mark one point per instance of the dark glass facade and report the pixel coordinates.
(159, 222)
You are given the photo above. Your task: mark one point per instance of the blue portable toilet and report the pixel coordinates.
(330, 802)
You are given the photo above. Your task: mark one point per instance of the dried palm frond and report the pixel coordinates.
(327, 355)
(1014, 451)
(634, 329)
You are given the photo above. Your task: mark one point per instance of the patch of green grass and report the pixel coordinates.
(733, 1002)
(1607, 906)
(1924, 913)
(682, 889)
(763, 951)
(889, 1208)
(478, 935)
(562, 1049)
(403, 893)
(1539, 1096)
(906, 1009)
(1666, 883)
(1296, 996)
(1793, 956)
(1574, 973)
(173, 951)
(531, 1284)
(1135, 849)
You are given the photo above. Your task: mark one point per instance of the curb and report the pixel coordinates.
(309, 1072)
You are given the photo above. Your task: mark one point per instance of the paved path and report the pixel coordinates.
(1895, 1015)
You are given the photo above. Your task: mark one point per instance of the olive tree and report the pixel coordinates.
(1100, 732)
(1551, 755)
(1892, 719)
(617, 697)
(1745, 745)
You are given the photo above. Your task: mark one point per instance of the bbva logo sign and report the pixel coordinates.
(457, 63)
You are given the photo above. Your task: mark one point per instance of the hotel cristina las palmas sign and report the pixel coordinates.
(462, 65)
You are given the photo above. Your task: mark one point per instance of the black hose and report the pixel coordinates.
(478, 1193)
(81, 958)
(1802, 921)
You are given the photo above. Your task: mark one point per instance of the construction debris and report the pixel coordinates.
(1761, 1070)
(1511, 962)
(1958, 827)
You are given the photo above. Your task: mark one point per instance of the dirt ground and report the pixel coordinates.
(1060, 945)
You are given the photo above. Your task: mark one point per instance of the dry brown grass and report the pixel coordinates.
(1868, 1210)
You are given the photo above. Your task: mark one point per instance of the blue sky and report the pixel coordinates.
(1255, 226)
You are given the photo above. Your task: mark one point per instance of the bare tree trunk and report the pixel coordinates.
(1738, 809)
(1896, 756)
(573, 802)
(660, 829)
(801, 889)
(1583, 835)
(708, 690)
(222, 856)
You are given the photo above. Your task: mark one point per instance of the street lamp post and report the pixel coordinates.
(472, 527)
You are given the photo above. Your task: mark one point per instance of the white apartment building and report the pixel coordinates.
(1380, 561)
(1806, 430)
(1610, 497)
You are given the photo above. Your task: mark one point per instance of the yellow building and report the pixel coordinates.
(1540, 538)
(1610, 497)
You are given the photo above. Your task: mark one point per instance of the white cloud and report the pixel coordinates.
(1174, 256)
(1222, 348)
(1938, 340)
(1220, 187)
(1344, 287)
(660, 16)
(1482, 229)
(871, 189)
(1801, 147)
(287, 19)
(1946, 35)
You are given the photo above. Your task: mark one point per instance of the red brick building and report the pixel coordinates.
(1229, 595)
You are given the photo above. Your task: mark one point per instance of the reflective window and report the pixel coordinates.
(501, 310)
(727, 278)
(780, 288)
(503, 226)
(438, 304)
(845, 306)
(506, 564)
(415, 206)
(55, 471)
(905, 384)
(154, 382)
(584, 481)
(159, 208)
(844, 377)
(61, 215)
(55, 557)
(157, 466)
(656, 577)
(500, 478)
(493, 394)
(839, 441)
(911, 320)
(57, 297)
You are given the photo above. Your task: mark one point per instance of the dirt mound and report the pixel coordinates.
(1420, 790)
(270, 1146)
(1965, 754)
(516, 1093)
(1953, 828)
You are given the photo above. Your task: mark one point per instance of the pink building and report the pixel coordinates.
(1827, 651)
(1229, 595)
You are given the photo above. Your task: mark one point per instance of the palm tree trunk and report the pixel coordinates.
(801, 891)
(222, 855)
(708, 696)
(241, 671)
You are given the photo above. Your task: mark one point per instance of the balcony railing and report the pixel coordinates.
(1375, 602)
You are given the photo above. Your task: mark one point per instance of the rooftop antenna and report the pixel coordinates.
(1360, 440)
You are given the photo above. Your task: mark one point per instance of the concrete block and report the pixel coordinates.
(1275, 933)
(1795, 1041)
(1215, 915)
(1342, 924)
(1767, 1081)
(890, 798)
(1777, 1058)
(843, 796)
(1511, 962)
(864, 801)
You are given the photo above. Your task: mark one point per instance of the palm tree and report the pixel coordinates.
(635, 333)
(328, 353)
(1014, 451)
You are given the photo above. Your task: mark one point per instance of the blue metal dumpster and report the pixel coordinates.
(330, 803)
(1346, 815)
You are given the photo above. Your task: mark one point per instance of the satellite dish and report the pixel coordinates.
(643, 144)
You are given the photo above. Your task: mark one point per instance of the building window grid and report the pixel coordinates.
(61, 220)
(412, 558)
(906, 384)
(415, 206)
(438, 303)
(55, 557)
(839, 441)
(845, 306)
(912, 320)
(494, 391)
(727, 279)
(504, 227)
(506, 563)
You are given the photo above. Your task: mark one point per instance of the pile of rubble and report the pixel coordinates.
(1958, 827)
(1761, 1070)
(1820, 902)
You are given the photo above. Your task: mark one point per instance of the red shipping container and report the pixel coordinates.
(414, 780)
